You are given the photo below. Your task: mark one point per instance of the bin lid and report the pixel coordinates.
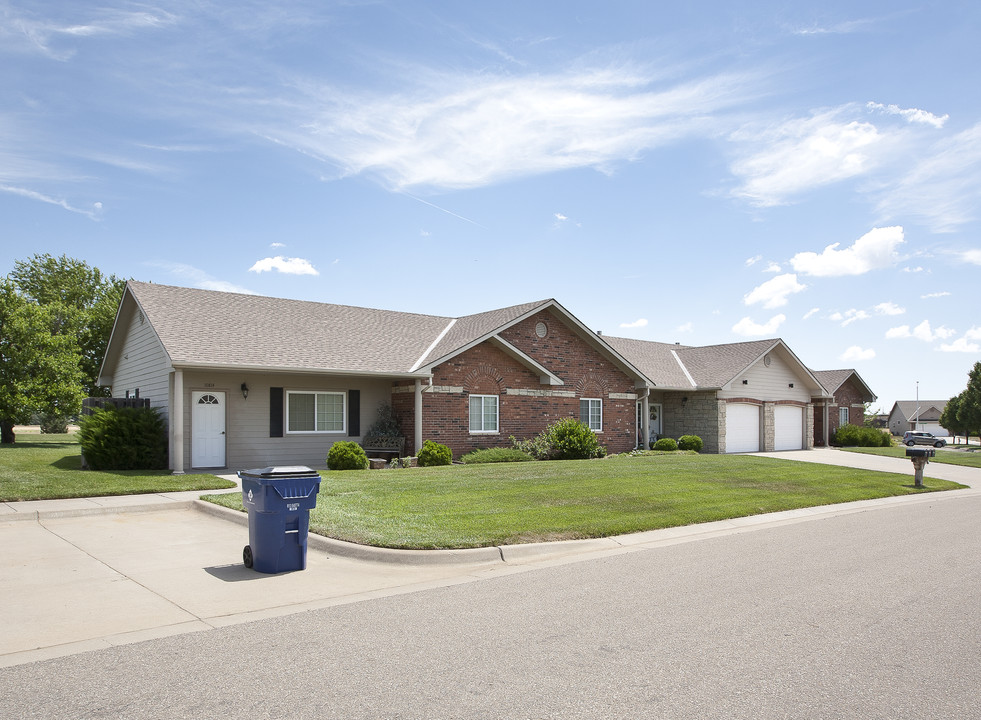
(280, 471)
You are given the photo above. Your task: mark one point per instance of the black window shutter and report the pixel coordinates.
(275, 412)
(353, 413)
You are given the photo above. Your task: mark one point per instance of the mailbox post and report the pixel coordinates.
(920, 458)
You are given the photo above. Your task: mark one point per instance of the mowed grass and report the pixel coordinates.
(967, 458)
(509, 503)
(49, 467)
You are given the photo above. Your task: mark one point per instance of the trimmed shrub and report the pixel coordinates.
(54, 424)
(666, 445)
(690, 442)
(495, 455)
(565, 439)
(860, 436)
(346, 455)
(124, 439)
(433, 453)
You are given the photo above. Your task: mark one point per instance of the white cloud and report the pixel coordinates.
(465, 131)
(856, 353)
(811, 313)
(773, 293)
(961, 345)
(748, 328)
(972, 256)
(923, 332)
(277, 245)
(941, 184)
(773, 268)
(642, 322)
(686, 328)
(889, 308)
(849, 316)
(753, 260)
(199, 278)
(874, 250)
(288, 266)
(560, 217)
(942, 293)
(912, 115)
(804, 153)
(33, 195)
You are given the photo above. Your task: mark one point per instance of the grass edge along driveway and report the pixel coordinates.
(511, 503)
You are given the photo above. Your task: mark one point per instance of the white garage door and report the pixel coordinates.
(788, 427)
(742, 428)
(934, 429)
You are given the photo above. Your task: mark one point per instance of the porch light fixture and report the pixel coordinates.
(245, 391)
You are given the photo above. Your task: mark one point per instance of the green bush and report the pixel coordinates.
(565, 439)
(666, 445)
(860, 436)
(495, 455)
(54, 424)
(346, 455)
(124, 439)
(433, 453)
(690, 442)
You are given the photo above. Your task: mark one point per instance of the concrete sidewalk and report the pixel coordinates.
(78, 575)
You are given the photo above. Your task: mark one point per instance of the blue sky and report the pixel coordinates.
(703, 173)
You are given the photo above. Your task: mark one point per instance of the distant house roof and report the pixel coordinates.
(834, 379)
(929, 408)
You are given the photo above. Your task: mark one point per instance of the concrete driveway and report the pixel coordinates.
(80, 575)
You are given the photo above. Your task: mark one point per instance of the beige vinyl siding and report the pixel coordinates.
(248, 444)
(769, 383)
(142, 364)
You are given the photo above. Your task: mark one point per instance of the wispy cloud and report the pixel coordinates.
(971, 256)
(942, 293)
(849, 316)
(92, 214)
(774, 293)
(889, 308)
(856, 354)
(285, 265)
(748, 328)
(467, 131)
(874, 250)
(913, 115)
(639, 323)
(199, 278)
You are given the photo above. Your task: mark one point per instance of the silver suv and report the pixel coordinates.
(922, 438)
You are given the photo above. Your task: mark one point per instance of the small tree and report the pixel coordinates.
(948, 418)
(386, 423)
(969, 409)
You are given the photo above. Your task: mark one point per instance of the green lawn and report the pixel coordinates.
(945, 456)
(47, 467)
(508, 503)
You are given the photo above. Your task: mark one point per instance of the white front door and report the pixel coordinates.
(207, 429)
(655, 422)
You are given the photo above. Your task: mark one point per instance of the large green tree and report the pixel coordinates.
(948, 418)
(39, 369)
(81, 302)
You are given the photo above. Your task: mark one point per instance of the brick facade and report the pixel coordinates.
(525, 405)
(850, 396)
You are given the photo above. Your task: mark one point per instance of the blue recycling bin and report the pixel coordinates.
(279, 501)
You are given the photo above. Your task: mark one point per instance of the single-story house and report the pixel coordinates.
(922, 415)
(846, 406)
(249, 381)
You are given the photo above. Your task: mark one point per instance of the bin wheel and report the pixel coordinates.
(247, 556)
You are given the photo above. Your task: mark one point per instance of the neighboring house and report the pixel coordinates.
(249, 381)
(846, 406)
(923, 415)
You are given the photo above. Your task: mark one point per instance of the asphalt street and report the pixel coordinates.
(872, 614)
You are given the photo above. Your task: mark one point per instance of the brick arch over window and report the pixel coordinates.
(591, 385)
(483, 379)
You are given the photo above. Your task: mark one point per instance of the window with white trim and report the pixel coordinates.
(842, 416)
(591, 413)
(483, 414)
(315, 412)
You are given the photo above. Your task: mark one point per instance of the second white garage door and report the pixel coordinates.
(742, 428)
(788, 427)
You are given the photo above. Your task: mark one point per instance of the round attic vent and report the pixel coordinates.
(766, 360)
(541, 329)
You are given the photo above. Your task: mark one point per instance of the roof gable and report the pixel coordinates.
(832, 380)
